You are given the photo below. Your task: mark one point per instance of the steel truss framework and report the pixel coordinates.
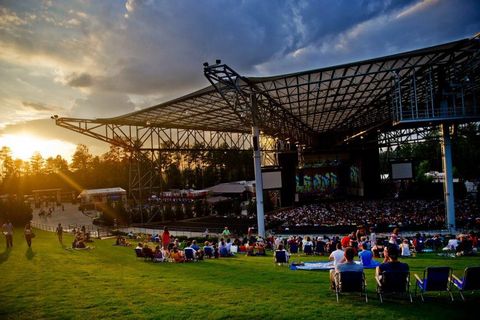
(328, 106)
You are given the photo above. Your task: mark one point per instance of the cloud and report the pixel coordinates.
(9, 18)
(38, 106)
(79, 80)
(104, 58)
(101, 105)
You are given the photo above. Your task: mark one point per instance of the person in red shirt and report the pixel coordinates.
(165, 238)
(346, 241)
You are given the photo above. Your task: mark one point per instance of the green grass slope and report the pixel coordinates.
(108, 282)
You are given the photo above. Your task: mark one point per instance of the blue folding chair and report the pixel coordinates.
(434, 279)
(308, 250)
(350, 281)
(281, 257)
(293, 248)
(208, 251)
(393, 282)
(189, 254)
(469, 282)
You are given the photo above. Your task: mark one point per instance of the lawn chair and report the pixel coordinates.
(434, 279)
(350, 281)
(293, 248)
(208, 252)
(308, 250)
(393, 282)
(139, 253)
(469, 282)
(281, 257)
(189, 255)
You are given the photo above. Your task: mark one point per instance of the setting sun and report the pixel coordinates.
(23, 146)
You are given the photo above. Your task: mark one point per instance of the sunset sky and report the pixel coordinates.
(90, 58)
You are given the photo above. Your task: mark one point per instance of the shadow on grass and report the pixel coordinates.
(29, 254)
(4, 256)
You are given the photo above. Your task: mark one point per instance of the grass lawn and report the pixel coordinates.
(108, 282)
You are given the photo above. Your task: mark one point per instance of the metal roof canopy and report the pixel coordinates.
(333, 103)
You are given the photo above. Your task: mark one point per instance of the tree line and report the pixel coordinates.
(196, 169)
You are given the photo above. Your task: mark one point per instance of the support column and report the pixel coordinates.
(448, 178)
(258, 181)
(257, 163)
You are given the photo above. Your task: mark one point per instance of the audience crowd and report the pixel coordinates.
(380, 213)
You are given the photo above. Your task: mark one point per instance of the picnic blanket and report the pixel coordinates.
(328, 265)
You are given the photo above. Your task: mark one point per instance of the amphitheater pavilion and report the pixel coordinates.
(347, 111)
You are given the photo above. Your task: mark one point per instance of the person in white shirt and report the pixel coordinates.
(405, 249)
(337, 256)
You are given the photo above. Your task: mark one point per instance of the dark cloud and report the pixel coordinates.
(80, 80)
(114, 50)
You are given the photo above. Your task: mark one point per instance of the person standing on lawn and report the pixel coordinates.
(27, 231)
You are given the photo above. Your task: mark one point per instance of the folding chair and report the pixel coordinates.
(393, 282)
(293, 248)
(469, 282)
(139, 253)
(434, 279)
(189, 255)
(208, 251)
(308, 250)
(281, 257)
(350, 281)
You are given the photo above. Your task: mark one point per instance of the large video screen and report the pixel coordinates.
(272, 180)
(402, 170)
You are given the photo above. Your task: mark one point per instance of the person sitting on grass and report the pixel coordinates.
(158, 255)
(176, 255)
(260, 247)
(366, 257)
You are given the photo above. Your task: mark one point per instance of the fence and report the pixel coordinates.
(96, 232)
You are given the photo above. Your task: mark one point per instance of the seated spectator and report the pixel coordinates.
(223, 249)
(260, 247)
(464, 247)
(158, 255)
(320, 247)
(194, 245)
(348, 265)
(147, 252)
(208, 250)
(337, 256)
(250, 249)
(176, 255)
(282, 249)
(366, 257)
(391, 263)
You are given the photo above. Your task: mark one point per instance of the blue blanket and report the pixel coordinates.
(319, 265)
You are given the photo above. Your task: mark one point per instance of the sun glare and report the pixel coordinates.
(23, 146)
